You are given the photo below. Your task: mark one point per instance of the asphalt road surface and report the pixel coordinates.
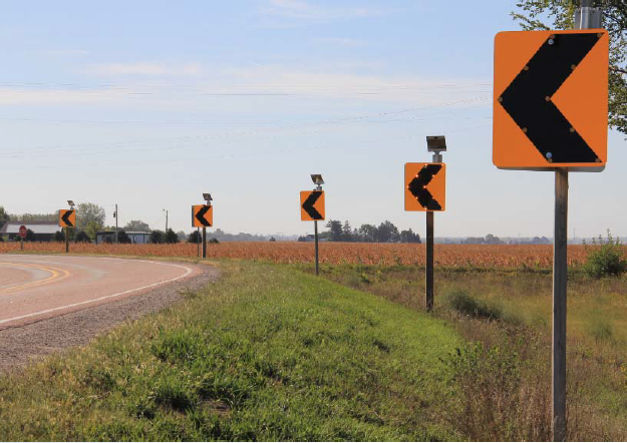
(37, 287)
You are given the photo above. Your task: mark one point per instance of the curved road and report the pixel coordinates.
(35, 287)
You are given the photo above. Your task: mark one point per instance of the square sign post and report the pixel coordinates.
(550, 113)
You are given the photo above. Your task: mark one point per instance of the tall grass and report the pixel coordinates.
(504, 373)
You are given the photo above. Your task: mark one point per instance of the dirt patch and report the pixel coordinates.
(20, 345)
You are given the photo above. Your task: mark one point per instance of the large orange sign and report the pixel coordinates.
(311, 205)
(202, 216)
(67, 218)
(550, 99)
(425, 186)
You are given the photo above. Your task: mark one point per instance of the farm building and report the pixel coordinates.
(138, 237)
(42, 231)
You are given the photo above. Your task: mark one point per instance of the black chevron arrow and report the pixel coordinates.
(308, 205)
(528, 98)
(200, 216)
(66, 218)
(418, 190)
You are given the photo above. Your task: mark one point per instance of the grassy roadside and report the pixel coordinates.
(265, 353)
(508, 315)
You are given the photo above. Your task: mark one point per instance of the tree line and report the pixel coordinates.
(386, 232)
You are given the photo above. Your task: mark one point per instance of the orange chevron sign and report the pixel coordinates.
(425, 186)
(202, 216)
(550, 99)
(67, 218)
(311, 205)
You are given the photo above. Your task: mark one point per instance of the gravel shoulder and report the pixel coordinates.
(21, 345)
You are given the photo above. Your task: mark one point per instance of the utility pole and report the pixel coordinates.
(166, 220)
(117, 237)
(586, 17)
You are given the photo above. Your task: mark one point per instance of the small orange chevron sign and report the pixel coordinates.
(311, 205)
(67, 218)
(550, 99)
(202, 216)
(425, 186)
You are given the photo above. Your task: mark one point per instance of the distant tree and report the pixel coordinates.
(123, 237)
(368, 233)
(58, 236)
(35, 218)
(181, 236)
(347, 232)
(194, 237)
(137, 225)
(4, 216)
(157, 237)
(272, 239)
(30, 235)
(82, 237)
(409, 236)
(335, 230)
(387, 232)
(171, 237)
(90, 218)
(213, 240)
(493, 240)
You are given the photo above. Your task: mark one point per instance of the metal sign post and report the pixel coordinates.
(67, 240)
(437, 158)
(316, 241)
(202, 216)
(204, 242)
(67, 219)
(555, 106)
(312, 209)
(429, 264)
(425, 191)
(585, 18)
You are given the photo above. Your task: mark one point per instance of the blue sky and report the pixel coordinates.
(149, 104)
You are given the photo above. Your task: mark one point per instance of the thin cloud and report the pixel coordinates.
(302, 10)
(264, 81)
(341, 41)
(40, 96)
(66, 52)
(277, 80)
(144, 69)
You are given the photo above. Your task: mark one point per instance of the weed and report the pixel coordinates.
(601, 329)
(606, 259)
(466, 304)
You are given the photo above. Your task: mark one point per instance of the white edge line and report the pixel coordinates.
(118, 294)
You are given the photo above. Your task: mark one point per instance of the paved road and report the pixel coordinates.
(35, 287)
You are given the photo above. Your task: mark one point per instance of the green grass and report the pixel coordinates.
(264, 353)
(509, 314)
